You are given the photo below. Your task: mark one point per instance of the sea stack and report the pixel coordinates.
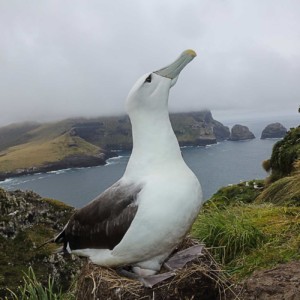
(274, 130)
(240, 133)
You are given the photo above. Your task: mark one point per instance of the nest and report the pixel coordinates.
(200, 279)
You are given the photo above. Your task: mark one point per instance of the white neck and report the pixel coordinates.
(154, 143)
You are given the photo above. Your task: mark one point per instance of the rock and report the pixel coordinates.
(274, 130)
(240, 132)
(26, 221)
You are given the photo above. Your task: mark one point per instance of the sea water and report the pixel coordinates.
(216, 165)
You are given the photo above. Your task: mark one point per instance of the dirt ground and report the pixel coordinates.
(279, 283)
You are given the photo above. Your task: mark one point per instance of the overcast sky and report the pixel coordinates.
(80, 58)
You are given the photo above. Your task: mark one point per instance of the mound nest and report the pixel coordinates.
(200, 279)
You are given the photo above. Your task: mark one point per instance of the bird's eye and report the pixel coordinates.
(148, 79)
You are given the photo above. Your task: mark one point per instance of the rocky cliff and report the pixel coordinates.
(195, 128)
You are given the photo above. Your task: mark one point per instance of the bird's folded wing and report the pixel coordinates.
(103, 222)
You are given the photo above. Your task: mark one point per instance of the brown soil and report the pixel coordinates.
(279, 283)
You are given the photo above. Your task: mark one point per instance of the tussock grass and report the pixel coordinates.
(248, 237)
(228, 232)
(285, 191)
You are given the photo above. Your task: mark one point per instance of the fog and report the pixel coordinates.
(73, 58)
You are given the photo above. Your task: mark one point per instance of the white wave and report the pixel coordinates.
(7, 180)
(59, 171)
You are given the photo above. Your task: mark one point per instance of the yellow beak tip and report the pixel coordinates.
(190, 52)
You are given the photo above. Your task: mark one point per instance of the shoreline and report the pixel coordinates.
(81, 161)
(74, 161)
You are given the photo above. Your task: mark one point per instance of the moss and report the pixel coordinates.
(17, 254)
(59, 205)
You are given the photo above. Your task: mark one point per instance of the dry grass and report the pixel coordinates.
(35, 154)
(284, 191)
(201, 279)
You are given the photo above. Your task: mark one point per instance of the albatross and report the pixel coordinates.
(140, 219)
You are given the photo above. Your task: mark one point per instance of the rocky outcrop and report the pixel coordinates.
(240, 132)
(274, 130)
(26, 221)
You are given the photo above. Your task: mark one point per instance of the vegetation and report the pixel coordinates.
(284, 155)
(255, 225)
(36, 154)
(284, 191)
(32, 289)
(247, 237)
(27, 221)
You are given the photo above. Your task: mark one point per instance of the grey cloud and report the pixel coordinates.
(80, 58)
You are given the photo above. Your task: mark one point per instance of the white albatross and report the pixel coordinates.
(141, 218)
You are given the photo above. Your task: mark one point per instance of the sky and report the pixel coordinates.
(61, 59)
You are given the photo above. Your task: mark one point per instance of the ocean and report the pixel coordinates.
(215, 165)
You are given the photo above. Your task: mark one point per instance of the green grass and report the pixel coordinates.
(228, 232)
(33, 289)
(247, 237)
(244, 192)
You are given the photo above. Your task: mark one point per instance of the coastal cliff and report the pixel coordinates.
(31, 147)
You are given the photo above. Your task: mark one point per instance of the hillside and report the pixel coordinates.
(32, 147)
(251, 228)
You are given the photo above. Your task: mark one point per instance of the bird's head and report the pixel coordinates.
(151, 91)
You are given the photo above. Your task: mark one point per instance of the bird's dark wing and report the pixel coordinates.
(103, 222)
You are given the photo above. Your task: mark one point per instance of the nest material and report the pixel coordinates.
(200, 279)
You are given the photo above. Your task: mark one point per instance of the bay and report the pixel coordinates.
(215, 165)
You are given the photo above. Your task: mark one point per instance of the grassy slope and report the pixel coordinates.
(15, 134)
(40, 151)
(254, 226)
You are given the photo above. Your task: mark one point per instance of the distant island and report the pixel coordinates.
(28, 148)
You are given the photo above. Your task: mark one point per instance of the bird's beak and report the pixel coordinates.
(173, 70)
